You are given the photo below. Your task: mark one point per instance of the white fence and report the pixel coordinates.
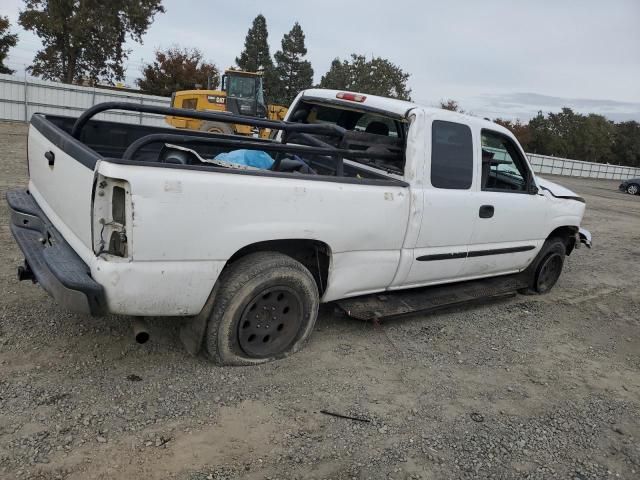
(21, 97)
(578, 168)
(573, 168)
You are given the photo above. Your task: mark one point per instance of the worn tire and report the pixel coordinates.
(217, 127)
(633, 189)
(551, 256)
(241, 287)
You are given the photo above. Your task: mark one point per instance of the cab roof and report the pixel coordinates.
(399, 108)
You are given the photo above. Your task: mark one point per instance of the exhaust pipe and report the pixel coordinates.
(140, 330)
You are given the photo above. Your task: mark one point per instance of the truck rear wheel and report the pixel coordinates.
(217, 127)
(265, 308)
(546, 268)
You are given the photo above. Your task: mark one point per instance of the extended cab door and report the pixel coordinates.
(510, 217)
(446, 184)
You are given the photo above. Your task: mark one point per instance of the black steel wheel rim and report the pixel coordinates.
(549, 272)
(270, 322)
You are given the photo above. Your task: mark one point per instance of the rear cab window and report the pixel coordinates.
(366, 130)
(377, 124)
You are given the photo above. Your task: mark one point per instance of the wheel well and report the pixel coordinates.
(568, 235)
(313, 254)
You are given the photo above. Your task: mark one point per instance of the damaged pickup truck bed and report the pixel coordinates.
(353, 195)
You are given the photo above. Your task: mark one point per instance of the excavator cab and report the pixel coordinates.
(244, 93)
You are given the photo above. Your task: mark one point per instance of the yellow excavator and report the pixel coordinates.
(242, 93)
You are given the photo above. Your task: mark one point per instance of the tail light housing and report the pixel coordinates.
(111, 214)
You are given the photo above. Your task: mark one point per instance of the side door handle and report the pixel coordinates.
(486, 211)
(51, 158)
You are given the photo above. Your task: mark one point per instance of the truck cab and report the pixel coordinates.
(477, 209)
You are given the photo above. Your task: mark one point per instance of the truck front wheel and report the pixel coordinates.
(546, 268)
(265, 308)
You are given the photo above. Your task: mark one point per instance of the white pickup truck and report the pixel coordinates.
(359, 195)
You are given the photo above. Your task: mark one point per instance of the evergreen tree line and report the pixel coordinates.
(285, 74)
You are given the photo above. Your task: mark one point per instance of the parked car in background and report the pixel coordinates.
(631, 186)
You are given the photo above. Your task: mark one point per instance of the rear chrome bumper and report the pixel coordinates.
(49, 260)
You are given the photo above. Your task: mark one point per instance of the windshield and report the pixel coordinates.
(241, 87)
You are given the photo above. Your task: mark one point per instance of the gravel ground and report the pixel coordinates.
(529, 387)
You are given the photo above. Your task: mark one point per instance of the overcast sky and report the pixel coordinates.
(507, 58)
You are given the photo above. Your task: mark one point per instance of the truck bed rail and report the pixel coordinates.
(300, 133)
(288, 127)
(335, 153)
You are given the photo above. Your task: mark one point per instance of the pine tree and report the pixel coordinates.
(7, 40)
(256, 55)
(293, 72)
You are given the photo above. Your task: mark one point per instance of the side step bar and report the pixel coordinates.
(396, 303)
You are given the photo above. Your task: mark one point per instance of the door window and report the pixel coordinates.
(503, 167)
(451, 155)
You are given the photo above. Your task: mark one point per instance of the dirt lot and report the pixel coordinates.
(530, 387)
